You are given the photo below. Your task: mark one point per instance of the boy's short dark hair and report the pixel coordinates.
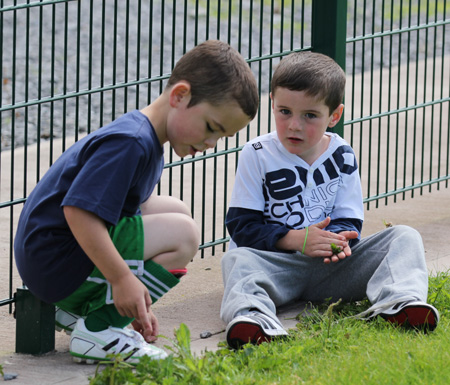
(316, 74)
(217, 74)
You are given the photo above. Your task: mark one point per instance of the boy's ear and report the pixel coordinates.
(180, 92)
(336, 115)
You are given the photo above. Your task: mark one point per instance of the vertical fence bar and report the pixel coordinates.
(78, 61)
(370, 135)
(269, 110)
(389, 106)
(126, 54)
(114, 60)
(353, 70)
(90, 63)
(52, 82)
(424, 111)
(12, 157)
(138, 51)
(102, 62)
(405, 147)
(397, 127)
(65, 54)
(441, 107)
(380, 104)
(447, 170)
(2, 80)
(380, 98)
(329, 33)
(39, 95)
(27, 69)
(433, 90)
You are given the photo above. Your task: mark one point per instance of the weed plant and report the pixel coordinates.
(328, 346)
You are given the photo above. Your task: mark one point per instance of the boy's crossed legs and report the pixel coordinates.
(164, 239)
(388, 267)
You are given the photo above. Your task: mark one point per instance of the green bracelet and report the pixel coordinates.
(304, 243)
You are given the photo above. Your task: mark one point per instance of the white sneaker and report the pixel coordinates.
(65, 321)
(253, 328)
(90, 347)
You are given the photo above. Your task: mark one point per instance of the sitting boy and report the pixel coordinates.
(297, 192)
(95, 240)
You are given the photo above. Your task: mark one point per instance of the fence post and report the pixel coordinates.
(35, 324)
(329, 34)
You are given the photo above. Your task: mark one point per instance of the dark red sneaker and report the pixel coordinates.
(413, 314)
(253, 328)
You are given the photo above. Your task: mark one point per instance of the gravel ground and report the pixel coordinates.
(67, 48)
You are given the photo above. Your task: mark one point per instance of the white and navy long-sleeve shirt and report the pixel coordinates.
(276, 191)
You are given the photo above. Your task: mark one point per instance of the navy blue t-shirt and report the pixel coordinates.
(110, 173)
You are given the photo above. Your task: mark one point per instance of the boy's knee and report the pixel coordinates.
(164, 204)
(192, 232)
(188, 235)
(179, 206)
(235, 257)
(406, 231)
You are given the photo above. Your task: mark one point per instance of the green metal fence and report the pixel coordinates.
(69, 67)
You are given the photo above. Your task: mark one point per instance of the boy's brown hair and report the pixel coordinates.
(217, 74)
(316, 74)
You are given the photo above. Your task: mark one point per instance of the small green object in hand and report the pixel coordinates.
(335, 249)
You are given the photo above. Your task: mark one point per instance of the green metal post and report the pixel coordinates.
(329, 34)
(35, 324)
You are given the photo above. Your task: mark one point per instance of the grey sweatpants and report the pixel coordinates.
(385, 267)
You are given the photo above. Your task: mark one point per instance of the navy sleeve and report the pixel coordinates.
(247, 229)
(346, 224)
(106, 181)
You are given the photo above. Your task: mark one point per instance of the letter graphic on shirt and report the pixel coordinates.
(345, 159)
(318, 204)
(329, 168)
(282, 184)
(295, 197)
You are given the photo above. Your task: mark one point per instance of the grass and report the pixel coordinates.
(327, 347)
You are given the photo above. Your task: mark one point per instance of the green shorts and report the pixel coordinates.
(95, 292)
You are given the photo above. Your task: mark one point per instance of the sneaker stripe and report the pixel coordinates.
(131, 354)
(111, 345)
(266, 322)
(125, 347)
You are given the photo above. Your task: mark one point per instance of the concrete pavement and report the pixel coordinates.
(196, 300)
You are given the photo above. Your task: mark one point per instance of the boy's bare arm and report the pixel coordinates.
(131, 297)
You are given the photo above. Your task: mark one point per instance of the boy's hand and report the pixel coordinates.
(132, 300)
(318, 243)
(346, 251)
(155, 327)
